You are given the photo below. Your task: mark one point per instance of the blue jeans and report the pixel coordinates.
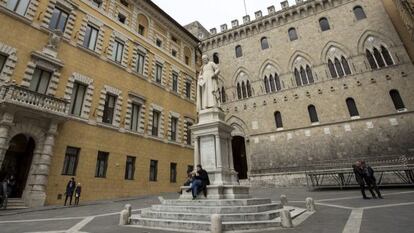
(196, 186)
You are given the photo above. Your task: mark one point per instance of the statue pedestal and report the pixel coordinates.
(213, 151)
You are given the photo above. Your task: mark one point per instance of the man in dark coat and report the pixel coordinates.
(200, 182)
(70, 189)
(370, 180)
(359, 176)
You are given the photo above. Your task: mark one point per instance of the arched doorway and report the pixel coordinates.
(239, 156)
(17, 162)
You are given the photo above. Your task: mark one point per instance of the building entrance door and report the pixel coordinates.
(17, 162)
(239, 156)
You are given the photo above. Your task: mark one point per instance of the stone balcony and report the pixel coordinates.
(15, 97)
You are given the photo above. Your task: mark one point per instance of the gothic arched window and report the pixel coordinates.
(264, 43)
(278, 120)
(239, 51)
(359, 13)
(352, 108)
(324, 24)
(313, 115)
(292, 34)
(216, 58)
(397, 100)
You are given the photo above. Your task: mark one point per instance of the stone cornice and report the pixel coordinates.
(269, 22)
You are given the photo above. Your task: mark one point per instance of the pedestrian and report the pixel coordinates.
(70, 188)
(188, 181)
(11, 183)
(370, 180)
(200, 182)
(78, 191)
(359, 176)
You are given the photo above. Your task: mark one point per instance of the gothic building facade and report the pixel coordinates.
(99, 90)
(317, 82)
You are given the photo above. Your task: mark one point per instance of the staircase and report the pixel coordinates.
(15, 204)
(195, 215)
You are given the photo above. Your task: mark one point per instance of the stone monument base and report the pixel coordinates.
(217, 192)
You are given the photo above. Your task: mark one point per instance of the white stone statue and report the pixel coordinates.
(207, 89)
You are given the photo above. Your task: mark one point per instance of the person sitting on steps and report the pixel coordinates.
(200, 182)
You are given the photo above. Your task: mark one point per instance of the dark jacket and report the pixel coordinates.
(78, 191)
(203, 176)
(369, 175)
(70, 187)
(359, 175)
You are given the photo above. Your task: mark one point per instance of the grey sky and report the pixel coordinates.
(213, 13)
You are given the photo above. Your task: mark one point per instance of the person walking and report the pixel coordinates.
(11, 183)
(200, 182)
(359, 176)
(70, 188)
(78, 191)
(370, 180)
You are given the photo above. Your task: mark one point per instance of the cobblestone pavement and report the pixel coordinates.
(338, 211)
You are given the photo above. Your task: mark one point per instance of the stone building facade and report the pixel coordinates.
(99, 90)
(320, 81)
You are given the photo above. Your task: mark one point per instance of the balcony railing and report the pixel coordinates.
(26, 98)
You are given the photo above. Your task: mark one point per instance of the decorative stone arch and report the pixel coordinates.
(37, 133)
(299, 55)
(241, 72)
(384, 40)
(143, 19)
(268, 63)
(240, 127)
(327, 50)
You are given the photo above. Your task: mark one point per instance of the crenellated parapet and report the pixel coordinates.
(261, 23)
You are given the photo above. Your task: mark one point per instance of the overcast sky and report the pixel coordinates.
(213, 13)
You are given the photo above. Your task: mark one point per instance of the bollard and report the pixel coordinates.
(283, 200)
(216, 224)
(286, 219)
(310, 204)
(123, 218)
(128, 207)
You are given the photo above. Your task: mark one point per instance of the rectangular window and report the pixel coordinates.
(71, 161)
(91, 36)
(153, 170)
(141, 30)
(109, 108)
(189, 124)
(174, 53)
(97, 3)
(173, 173)
(158, 73)
(188, 89)
(175, 82)
(101, 164)
(40, 81)
(136, 109)
(140, 63)
(118, 51)
(18, 6)
(174, 124)
(3, 60)
(58, 20)
(78, 96)
(130, 168)
(155, 122)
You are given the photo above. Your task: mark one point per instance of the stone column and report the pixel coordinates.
(196, 152)
(6, 123)
(37, 195)
(219, 162)
(230, 150)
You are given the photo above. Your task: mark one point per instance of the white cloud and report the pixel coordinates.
(213, 13)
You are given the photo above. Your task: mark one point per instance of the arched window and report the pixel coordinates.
(371, 60)
(309, 74)
(297, 78)
(324, 23)
(249, 89)
(338, 67)
(292, 34)
(378, 58)
(313, 115)
(216, 58)
(272, 84)
(239, 51)
(223, 95)
(266, 84)
(244, 93)
(239, 95)
(397, 100)
(346, 66)
(332, 69)
(278, 120)
(387, 56)
(303, 76)
(359, 13)
(264, 43)
(278, 84)
(352, 108)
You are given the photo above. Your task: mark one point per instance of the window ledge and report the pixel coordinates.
(355, 117)
(116, 63)
(156, 138)
(139, 75)
(91, 52)
(134, 132)
(280, 129)
(157, 84)
(106, 125)
(315, 123)
(402, 110)
(13, 14)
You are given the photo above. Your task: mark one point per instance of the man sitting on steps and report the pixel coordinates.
(200, 182)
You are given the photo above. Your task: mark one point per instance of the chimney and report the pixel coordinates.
(213, 31)
(271, 10)
(246, 19)
(258, 14)
(284, 4)
(234, 23)
(223, 27)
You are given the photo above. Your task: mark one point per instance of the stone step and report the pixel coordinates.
(198, 226)
(237, 217)
(224, 202)
(16, 203)
(215, 210)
